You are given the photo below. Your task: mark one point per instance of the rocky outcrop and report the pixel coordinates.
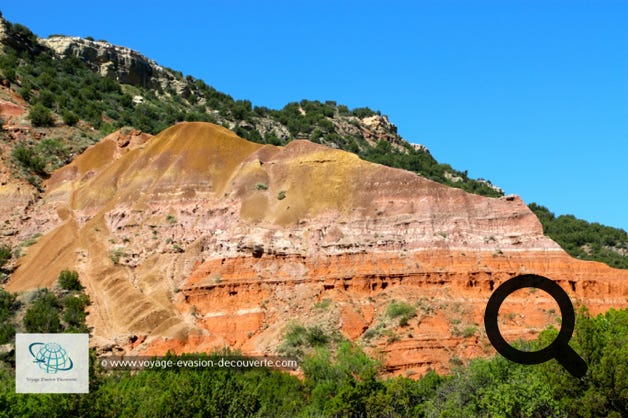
(119, 63)
(3, 28)
(197, 239)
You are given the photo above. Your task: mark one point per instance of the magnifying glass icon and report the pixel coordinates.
(559, 348)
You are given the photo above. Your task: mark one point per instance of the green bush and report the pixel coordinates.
(363, 112)
(401, 310)
(9, 74)
(8, 306)
(323, 304)
(29, 160)
(43, 315)
(469, 331)
(117, 253)
(70, 118)
(40, 115)
(74, 312)
(68, 280)
(31, 240)
(46, 310)
(315, 337)
(5, 255)
(7, 332)
(298, 338)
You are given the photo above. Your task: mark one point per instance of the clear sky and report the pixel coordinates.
(532, 94)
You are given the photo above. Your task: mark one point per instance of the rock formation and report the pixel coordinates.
(119, 63)
(197, 239)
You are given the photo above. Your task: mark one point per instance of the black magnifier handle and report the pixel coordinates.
(571, 361)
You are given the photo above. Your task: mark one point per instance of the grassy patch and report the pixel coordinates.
(297, 338)
(31, 241)
(323, 304)
(401, 310)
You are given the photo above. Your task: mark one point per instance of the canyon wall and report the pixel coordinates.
(197, 239)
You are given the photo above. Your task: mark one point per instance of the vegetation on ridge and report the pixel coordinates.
(584, 240)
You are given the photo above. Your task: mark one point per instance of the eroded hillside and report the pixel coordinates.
(197, 239)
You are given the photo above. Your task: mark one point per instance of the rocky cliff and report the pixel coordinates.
(119, 63)
(197, 239)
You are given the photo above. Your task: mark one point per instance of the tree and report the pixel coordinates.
(43, 315)
(40, 115)
(70, 118)
(240, 109)
(9, 74)
(74, 312)
(8, 306)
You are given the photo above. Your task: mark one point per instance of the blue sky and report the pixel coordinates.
(532, 95)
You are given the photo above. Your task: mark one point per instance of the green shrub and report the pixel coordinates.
(5, 255)
(346, 382)
(40, 115)
(28, 159)
(315, 336)
(116, 253)
(363, 112)
(31, 240)
(370, 334)
(8, 306)
(74, 312)
(70, 118)
(323, 304)
(43, 315)
(401, 310)
(297, 338)
(68, 280)
(469, 331)
(396, 309)
(7, 332)
(9, 74)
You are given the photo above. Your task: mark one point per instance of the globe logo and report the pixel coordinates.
(50, 357)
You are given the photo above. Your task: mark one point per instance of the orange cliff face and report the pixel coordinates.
(197, 239)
